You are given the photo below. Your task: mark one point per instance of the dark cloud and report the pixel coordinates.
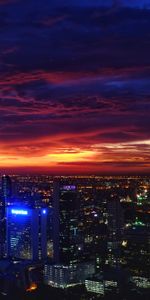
(75, 79)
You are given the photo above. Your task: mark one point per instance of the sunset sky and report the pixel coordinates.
(75, 86)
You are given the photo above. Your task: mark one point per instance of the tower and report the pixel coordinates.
(67, 240)
(26, 234)
(115, 230)
(69, 265)
(6, 189)
(5, 198)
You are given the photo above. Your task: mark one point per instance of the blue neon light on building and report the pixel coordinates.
(26, 230)
(19, 212)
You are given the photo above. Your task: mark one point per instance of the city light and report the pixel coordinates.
(124, 243)
(19, 212)
(75, 150)
(95, 219)
(69, 187)
(33, 287)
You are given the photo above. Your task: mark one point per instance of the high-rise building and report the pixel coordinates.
(6, 189)
(115, 230)
(2, 236)
(26, 233)
(69, 237)
(6, 193)
(76, 219)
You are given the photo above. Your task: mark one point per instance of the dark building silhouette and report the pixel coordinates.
(67, 238)
(6, 193)
(70, 263)
(6, 189)
(115, 230)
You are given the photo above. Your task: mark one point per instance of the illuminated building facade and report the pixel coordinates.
(141, 282)
(76, 221)
(95, 286)
(69, 235)
(115, 231)
(67, 238)
(26, 233)
(137, 250)
(63, 276)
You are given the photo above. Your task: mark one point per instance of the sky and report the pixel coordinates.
(75, 86)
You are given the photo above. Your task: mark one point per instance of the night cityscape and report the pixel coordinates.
(85, 237)
(75, 149)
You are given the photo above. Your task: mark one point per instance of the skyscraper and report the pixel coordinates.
(115, 230)
(26, 233)
(70, 265)
(6, 189)
(67, 239)
(6, 193)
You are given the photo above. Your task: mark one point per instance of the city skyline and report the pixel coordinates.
(75, 87)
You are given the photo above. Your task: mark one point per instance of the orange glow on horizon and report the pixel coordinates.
(71, 157)
(97, 157)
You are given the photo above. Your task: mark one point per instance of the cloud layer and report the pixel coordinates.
(74, 87)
